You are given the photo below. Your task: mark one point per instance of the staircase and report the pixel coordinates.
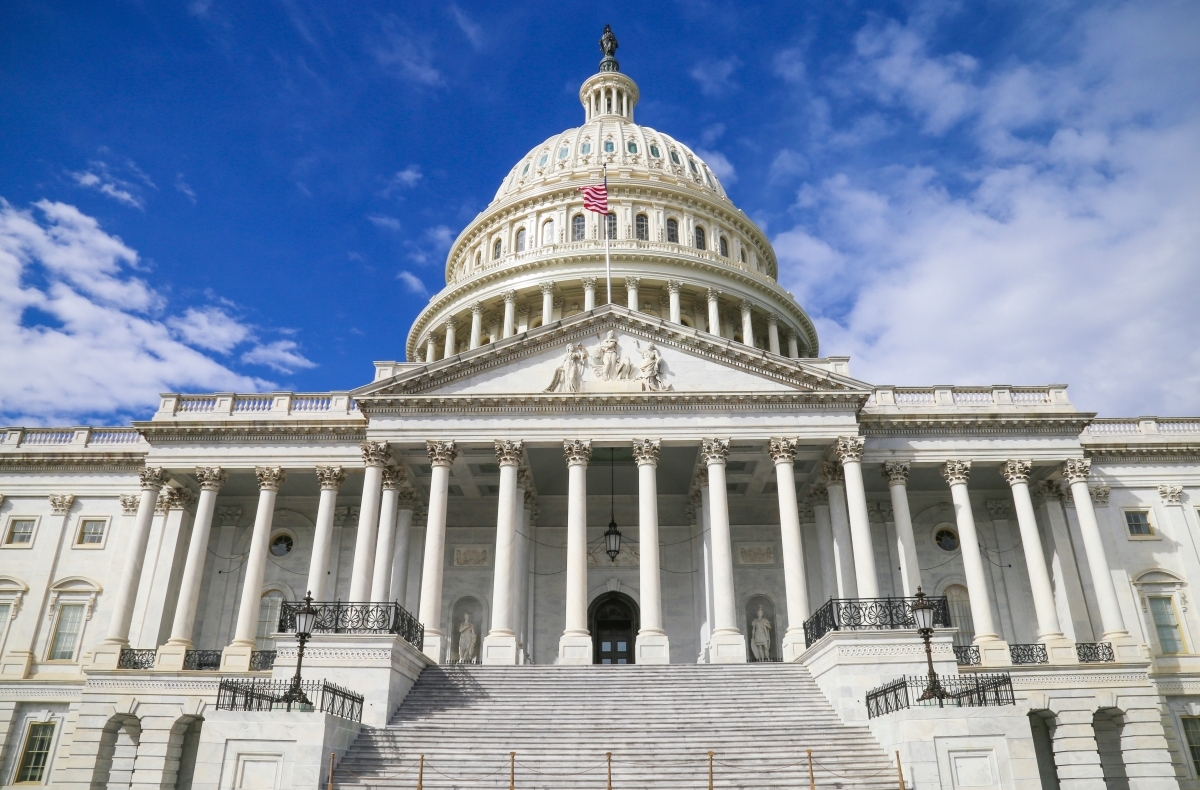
(659, 722)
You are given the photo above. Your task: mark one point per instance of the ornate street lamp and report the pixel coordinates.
(922, 613)
(612, 538)
(306, 620)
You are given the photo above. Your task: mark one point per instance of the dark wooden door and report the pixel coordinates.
(614, 633)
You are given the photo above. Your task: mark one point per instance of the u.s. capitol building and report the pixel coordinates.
(674, 482)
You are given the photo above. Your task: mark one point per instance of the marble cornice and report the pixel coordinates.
(1174, 452)
(553, 404)
(75, 462)
(252, 432)
(990, 423)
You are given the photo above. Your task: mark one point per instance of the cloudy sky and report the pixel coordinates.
(244, 196)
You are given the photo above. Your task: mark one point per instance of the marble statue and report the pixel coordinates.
(760, 637)
(569, 373)
(467, 640)
(607, 363)
(650, 370)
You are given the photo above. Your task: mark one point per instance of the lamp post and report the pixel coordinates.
(306, 619)
(922, 612)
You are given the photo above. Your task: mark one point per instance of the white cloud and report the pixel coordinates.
(209, 328)
(281, 356)
(469, 27)
(716, 76)
(413, 283)
(720, 165)
(789, 65)
(787, 163)
(380, 221)
(184, 188)
(97, 178)
(440, 236)
(404, 56)
(407, 177)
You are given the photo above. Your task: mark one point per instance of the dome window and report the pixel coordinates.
(478, 258)
(631, 146)
(654, 152)
(521, 238)
(610, 225)
(496, 250)
(691, 164)
(724, 245)
(641, 227)
(700, 240)
(673, 231)
(548, 232)
(675, 157)
(562, 152)
(609, 147)
(525, 170)
(585, 149)
(545, 158)
(578, 228)
(742, 254)
(708, 178)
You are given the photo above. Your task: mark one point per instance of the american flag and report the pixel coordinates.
(595, 198)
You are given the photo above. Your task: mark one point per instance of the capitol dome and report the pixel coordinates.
(677, 246)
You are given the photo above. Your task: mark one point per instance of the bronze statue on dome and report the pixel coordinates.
(608, 45)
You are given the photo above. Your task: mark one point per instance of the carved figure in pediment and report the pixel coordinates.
(607, 363)
(760, 637)
(467, 640)
(651, 370)
(569, 373)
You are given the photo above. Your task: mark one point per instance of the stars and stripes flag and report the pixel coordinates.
(595, 197)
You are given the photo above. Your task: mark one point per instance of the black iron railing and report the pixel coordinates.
(137, 659)
(967, 655)
(337, 617)
(1094, 652)
(770, 660)
(864, 614)
(262, 660)
(265, 695)
(1028, 654)
(204, 660)
(951, 691)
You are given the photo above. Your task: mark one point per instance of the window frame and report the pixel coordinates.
(699, 237)
(933, 533)
(30, 724)
(8, 526)
(78, 543)
(578, 223)
(641, 226)
(521, 242)
(497, 249)
(1150, 522)
(609, 147)
(1193, 750)
(723, 246)
(610, 225)
(1173, 599)
(280, 533)
(672, 229)
(53, 635)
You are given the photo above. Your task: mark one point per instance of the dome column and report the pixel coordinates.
(673, 289)
(773, 333)
(430, 349)
(714, 312)
(451, 342)
(631, 292)
(547, 303)
(747, 324)
(793, 345)
(510, 314)
(476, 325)
(589, 293)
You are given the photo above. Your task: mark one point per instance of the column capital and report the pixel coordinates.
(529, 499)
(61, 503)
(270, 478)
(211, 477)
(633, 282)
(956, 472)
(1016, 470)
(1170, 494)
(477, 309)
(394, 477)
(408, 499)
(818, 494)
(998, 509)
(129, 504)
(714, 451)
(674, 286)
(589, 282)
(441, 453)
(509, 296)
(701, 478)
(449, 325)
(375, 453)
(746, 305)
(547, 288)
(330, 477)
(712, 294)
(152, 478)
(229, 516)
(850, 448)
(832, 474)
(896, 472)
(525, 480)
(1049, 489)
(772, 319)
(509, 452)
(175, 498)
(1100, 495)
(577, 451)
(645, 451)
(523, 310)
(783, 451)
(1076, 470)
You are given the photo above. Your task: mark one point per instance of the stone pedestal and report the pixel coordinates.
(106, 655)
(1060, 651)
(993, 653)
(727, 648)
(653, 649)
(793, 645)
(574, 649)
(500, 649)
(236, 657)
(435, 647)
(170, 657)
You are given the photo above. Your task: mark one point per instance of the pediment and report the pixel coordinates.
(612, 351)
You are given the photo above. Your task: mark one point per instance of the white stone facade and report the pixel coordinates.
(742, 469)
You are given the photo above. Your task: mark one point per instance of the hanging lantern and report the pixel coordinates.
(612, 541)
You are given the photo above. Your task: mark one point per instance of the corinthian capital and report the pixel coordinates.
(509, 452)
(441, 453)
(1170, 494)
(818, 494)
(832, 474)
(393, 477)
(509, 296)
(850, 448)
(714, 451)
(588, 282)
(547, 288)
(783, 451)
(645, 451)
(408, 499)
(577, 452)
(211, 477)
(632, 283)
(129, 503)
(712, 294)
(331, 477)
(674, 286)
(896, 472)
(525, 480)
(152, 478)
(1076, 470)
(1016, 471)
(956, 472)
(375, 453)
(270, 478)
(173, 499)
(61, 503)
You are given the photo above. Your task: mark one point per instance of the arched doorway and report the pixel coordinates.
(613, 621)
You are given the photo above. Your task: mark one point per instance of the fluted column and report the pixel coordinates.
(673, 289)
(108, 653)
(839, 528)
(441, 456)
(896, 474)
(236, 657)
(773, 333)
(589, 293)
(476, 326)
(714, 312)
(728, 643)
(385, 540)
(793, 345)
(508, 328)
(956, 474)
(330, 479)
(783, 453)
(1075, 471)
(451, 340)
(547, 303)
(850, 452)
(631, 292)
(747, 324)
(652, 645)
(375, 456)
(171, 655)
(406, 506)
(1016, 472)
(575, 645)
(500, 645)
(430, 349)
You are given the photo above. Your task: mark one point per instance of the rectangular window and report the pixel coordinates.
(1138, 522)
(1191, 733)
(66, 632)
(20, 532)
(91, 532)
(1162, 609)
(37, 753)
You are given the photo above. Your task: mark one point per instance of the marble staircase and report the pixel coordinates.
(659, 722)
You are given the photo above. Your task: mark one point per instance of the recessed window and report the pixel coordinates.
(585, 149)
(742, 255)
(1138, 523)
(673, 231)
(282, 545)
(1166, 624)
(692, 164)
(708, 178)
(548, 232)
(478, 258)
(1191, 733)
(36, 755)
(66, 632)
(20, 532)
(675, 157)
(562, 152)
(521, 238)
(641, 227)
(578, 227)
(610, 225)
(609, 147)
(91, 532)
(946, 539)
(700, 239)
(496, 250)
(631, 147)
(543, 160)
(525, 169)
(654, 152)
(724, 248)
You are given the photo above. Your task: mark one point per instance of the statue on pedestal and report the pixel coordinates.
(760, 637)
(467, 640)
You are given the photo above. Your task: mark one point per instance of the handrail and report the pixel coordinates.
(339, 617)
(870, 614)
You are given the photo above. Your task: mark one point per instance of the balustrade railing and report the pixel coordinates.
(202, 660)
(950, 691)
(262, 660)
(967, 655)
(1094, 652)
(870, 614)
(137, 659)
(1028, 654)
(338, 617)
(269, 695)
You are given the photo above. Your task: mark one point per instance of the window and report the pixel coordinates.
(1166, 623)
(700, 240)
(742, 255)
(585, 149)
(673, 231)
(66, 632)
(610, 225)
(946, 539)
(631, 147)
(1191, 733)
(20, 532)
(609, 147)
(691, 164)
(675, 157)
(478, 258)
(724, 247)
(578, 227)
(1138, 523)
(641, 227)
(548, 232)
(521, 235)
(525, 169)
(282, 544)
(654, 152)
(91, 532)
(708, 178)
(268, 620)
(36, 755)
(542, 161)
(496, 250)
(562, 152)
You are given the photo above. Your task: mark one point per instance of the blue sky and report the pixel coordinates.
(234, 196)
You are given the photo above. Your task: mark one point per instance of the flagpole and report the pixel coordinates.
(607, 262)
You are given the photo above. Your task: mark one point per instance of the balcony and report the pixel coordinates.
(870, 614)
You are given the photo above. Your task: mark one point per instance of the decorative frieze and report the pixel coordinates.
(896, 472)
(331, 478)
(956, 472)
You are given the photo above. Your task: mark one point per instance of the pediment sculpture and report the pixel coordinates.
(607, 364)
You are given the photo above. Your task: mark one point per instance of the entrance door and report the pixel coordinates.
(613, 629)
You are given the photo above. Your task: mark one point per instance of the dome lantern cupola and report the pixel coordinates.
(608, 94)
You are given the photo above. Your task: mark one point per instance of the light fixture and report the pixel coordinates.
(306, 620)
(612, 538)
(922, 614)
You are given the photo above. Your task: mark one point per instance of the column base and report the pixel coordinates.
(1126, 647)
(16, 664)
(652, 648)
(575, 649)
(793, 645)
(500, 649)
(107, 655)
(993, 653)
(1060, 651)
(435, 647)
(170, 656)
(727, 648)
(236, 657)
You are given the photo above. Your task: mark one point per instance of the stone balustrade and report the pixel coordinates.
(998, 397)
(71, 439)
(274, 405)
